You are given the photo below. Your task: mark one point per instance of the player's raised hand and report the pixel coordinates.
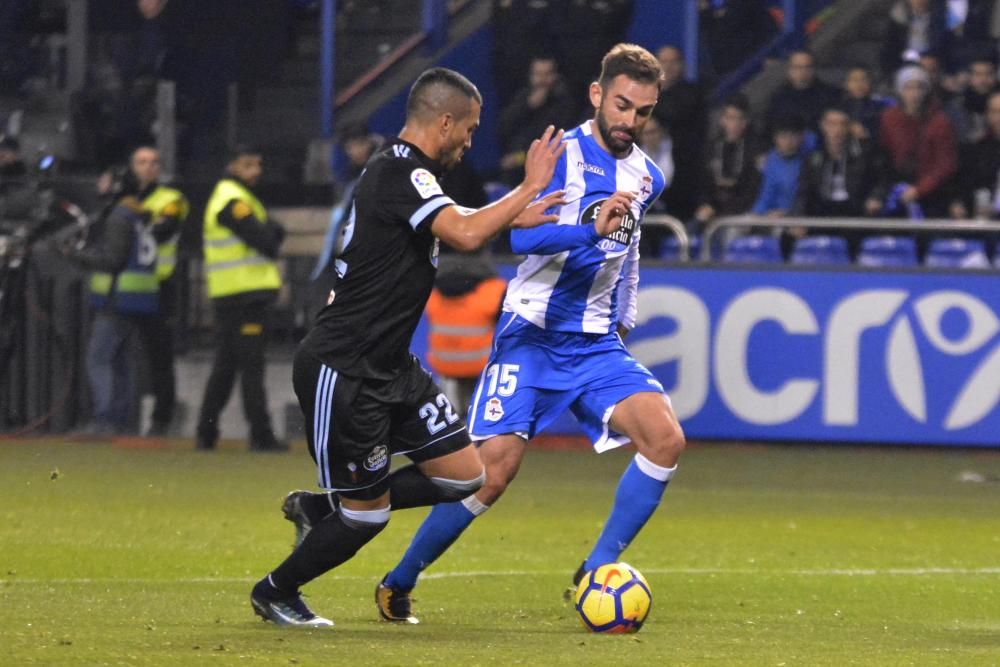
(543, 154)
(535, 214)
(612, 212)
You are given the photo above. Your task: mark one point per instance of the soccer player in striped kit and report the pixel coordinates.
(559, 343)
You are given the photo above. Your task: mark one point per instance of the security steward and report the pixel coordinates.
(240, 247)
(122, 253)
(167, 209)
(462, 312)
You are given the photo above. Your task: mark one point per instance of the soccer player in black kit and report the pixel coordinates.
(365, 397)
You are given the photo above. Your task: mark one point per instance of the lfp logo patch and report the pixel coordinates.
(425, 183)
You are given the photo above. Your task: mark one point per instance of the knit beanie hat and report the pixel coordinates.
(909, 73)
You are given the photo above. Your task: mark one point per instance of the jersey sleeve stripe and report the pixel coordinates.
(434, 204)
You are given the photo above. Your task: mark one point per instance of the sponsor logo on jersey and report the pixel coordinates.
(377, 458)
(617, 239)
(494, 410)
(594, 169)
(425, 183)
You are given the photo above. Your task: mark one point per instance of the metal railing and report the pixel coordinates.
(675, 226)
(844, 224)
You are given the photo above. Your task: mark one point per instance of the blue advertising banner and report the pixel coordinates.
(814, 355)
(825, 355)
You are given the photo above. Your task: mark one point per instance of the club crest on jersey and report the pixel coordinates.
(425, 183)
(621, 237)
(646, 187)
(494, 410)
(377, 458)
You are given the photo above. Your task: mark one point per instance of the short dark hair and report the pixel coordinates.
(426, 94)
(738, 101)
(242, 149)
(789, 123)
(634, 62)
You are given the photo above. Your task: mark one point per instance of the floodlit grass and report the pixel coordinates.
(757, 556)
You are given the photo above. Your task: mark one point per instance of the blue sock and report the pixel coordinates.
(638, 495)
(441, 527)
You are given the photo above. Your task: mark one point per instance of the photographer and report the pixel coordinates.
(121, 251)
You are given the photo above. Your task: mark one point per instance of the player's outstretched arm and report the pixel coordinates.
(536, 214)
(468, 231)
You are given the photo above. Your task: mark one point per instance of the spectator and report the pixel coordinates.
(840, 178)
(732, 177)
(943, 86)
(968, 25)
(979, 170)
(802, 94)
(863, 108)
(659, 146)
(358, 144)
(682, 116)
(545, 101)
(124, 289)
(781, 169)
(915, 27)
(12, 166)
(919, 144)
(967, 111)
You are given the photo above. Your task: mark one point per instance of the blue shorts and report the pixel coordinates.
(534, 375)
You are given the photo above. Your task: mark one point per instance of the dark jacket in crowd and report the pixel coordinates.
(731, 179)
(108, 250)
(979, 169)
(897, 36)
(683, 114)
(807, 103)
(831, 187)
(867, 111)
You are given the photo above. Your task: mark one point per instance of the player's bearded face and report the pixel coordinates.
(619, 138)
(622, 109)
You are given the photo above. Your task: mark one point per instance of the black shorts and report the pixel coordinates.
(354, 425)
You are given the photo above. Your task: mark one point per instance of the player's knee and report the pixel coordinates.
(457, 489)
(663, 445)
(369, 521)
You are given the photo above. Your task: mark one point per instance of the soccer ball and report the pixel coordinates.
(613, 598)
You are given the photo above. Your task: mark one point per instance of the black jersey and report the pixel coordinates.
(386, 268)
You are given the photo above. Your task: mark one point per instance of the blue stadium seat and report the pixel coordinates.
(888, 251)
(820, 250)
(670, 248)
(753, 249)
(957, 254)
(495, 190)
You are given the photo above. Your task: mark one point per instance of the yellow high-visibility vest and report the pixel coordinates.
(231, 265)
(159, 203)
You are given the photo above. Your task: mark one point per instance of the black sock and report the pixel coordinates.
(330, 543)
(318, 506)
(408, 487)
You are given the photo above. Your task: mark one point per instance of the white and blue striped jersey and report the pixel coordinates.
(572, 280)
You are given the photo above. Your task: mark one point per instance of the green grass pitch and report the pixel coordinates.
(759, 555)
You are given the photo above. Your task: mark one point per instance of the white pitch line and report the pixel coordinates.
(820, 572)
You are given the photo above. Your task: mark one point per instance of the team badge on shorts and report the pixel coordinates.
(377, 459)
(494, 410)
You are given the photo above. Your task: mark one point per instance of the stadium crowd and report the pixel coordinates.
(915, 135)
